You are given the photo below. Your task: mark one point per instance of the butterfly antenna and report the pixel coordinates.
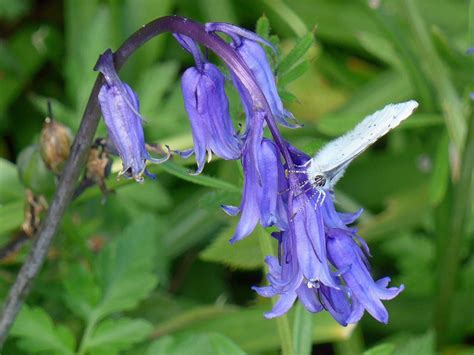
(305, 165)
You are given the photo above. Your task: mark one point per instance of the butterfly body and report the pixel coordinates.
(330, 163)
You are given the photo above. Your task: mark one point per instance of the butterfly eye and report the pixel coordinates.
(319, 180)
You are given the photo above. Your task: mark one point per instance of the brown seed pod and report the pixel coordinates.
(55, 143)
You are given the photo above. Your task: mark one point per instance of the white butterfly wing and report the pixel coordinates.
(336, 155)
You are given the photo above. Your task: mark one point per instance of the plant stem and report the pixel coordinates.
(283, 323)
(451, 240)
(91, 323)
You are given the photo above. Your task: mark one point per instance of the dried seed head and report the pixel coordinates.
(35, 205)
(55, 144)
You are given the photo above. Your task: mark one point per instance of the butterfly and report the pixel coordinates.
(329, 164)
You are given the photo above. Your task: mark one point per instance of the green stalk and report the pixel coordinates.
(438, 74)
(283, 323)
(91, 323)
(451, 239)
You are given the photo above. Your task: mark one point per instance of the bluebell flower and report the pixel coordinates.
(207, 106)
(322, 261)
(263, 178)
(247, 44)
(120, 109)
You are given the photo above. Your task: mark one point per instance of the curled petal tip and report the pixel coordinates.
(230, 210)
(161, 160)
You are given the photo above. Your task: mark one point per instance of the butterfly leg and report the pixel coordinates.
(293, 188)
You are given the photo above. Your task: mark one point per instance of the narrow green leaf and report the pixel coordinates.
(296, 54)
(411, 64)
(302, 326)
(37, 333)
(208, 181)
(294, 73)
(287, 96)
(115, 335)
(263, 27)
(380, 47)
(438, 74)
(288, 15)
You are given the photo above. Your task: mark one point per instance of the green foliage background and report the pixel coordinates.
(150, 270)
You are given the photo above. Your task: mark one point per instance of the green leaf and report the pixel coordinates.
(125, 267)
(115, 335)
(296, 54)
(37, 333)
(33, 172)
(262, 27)
(244, 255)
(302, 325)
(380, 47)
(423, 344)
(382, 349)
(11, 188)
(81, 291)
(204, 180)
(190, 344)
(11, 216)
(294, 73)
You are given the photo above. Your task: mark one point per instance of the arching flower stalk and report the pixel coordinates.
(321, 261)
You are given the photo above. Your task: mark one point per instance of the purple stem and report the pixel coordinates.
(86, 132)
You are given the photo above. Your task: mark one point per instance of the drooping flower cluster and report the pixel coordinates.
(321, 260)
